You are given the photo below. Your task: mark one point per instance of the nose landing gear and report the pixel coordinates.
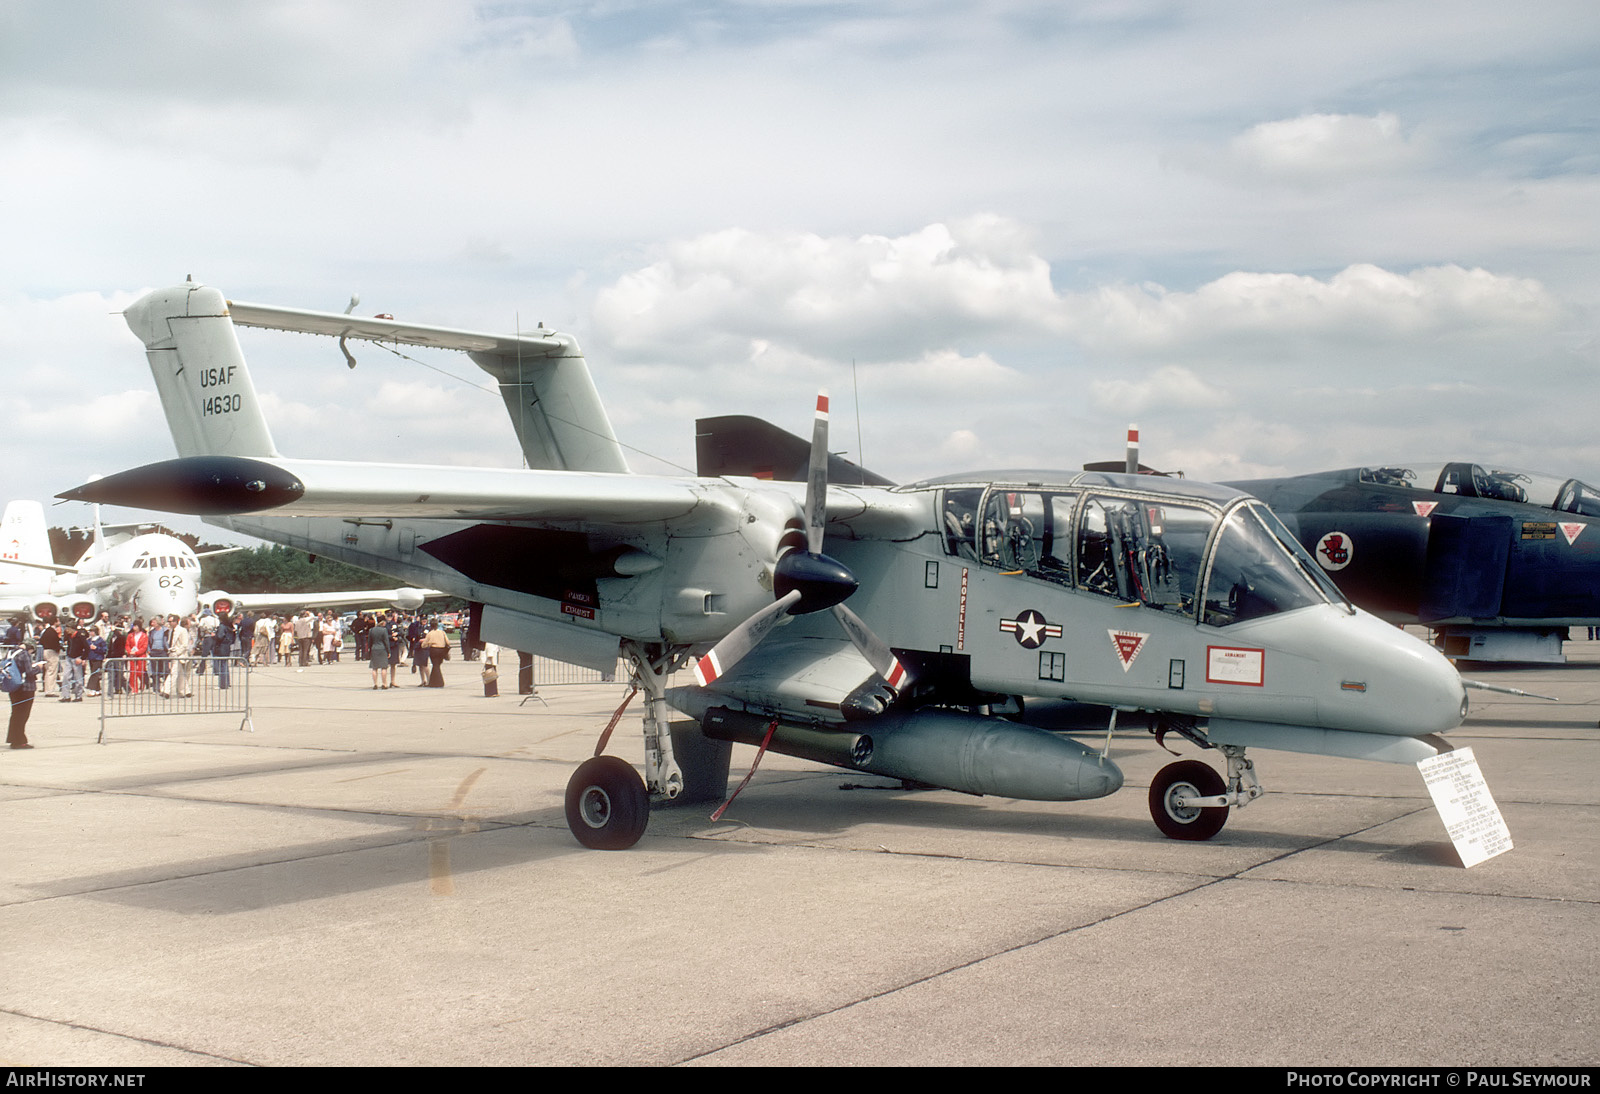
(1190, 801)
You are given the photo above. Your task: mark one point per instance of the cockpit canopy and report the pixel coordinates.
(148, 561)
(1472, 480)
(1218, 560)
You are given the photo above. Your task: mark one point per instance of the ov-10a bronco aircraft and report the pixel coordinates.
(967, 595)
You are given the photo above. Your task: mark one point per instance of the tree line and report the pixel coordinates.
(279, 569)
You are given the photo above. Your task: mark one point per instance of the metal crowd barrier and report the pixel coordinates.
(150, 687)
(550, 673)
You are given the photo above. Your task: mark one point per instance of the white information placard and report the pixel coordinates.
(1465, 805)
(1236, 665)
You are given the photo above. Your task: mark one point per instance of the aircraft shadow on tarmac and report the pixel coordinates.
(415, 855)
(413, 851)
(150, 780)
(809, 810)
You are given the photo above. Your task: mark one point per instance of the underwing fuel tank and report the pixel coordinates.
(940, 748)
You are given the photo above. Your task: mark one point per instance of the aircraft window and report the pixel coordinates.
(1142, 550)
(1318, 575)
(1015, 530)
(1253, 574)
(961, 522)
(1389, 476)
(142, 562)
(1467, 479)
(1055, 556)
(1027, 531)
(1504, 485)
(1578, 497)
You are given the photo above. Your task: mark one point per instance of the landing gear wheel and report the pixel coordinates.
(1189, 779)
(607, 805)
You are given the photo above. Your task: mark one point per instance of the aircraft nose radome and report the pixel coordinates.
(1412, 689)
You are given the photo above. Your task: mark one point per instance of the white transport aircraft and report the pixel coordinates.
(128, 572)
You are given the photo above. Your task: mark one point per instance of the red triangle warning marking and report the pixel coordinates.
(1127, 644)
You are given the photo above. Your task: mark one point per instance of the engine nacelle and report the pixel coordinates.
(219, 602)
(408, 599)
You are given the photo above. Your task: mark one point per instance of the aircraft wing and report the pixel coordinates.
(232, 485)
(51, 567)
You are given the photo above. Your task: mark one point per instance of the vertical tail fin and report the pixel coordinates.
(554, 406)
(24, 538)
(199, 369)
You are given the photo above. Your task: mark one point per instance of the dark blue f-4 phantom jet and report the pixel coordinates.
(1499, 562)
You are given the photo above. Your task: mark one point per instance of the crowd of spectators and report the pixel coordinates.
(165, 653)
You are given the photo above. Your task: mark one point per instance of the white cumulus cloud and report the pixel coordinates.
(1323, 146)
(1360, 302)
(1171, 386)
(875, 297)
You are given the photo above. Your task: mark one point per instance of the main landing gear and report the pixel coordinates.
(1189, 800)
(608, 805)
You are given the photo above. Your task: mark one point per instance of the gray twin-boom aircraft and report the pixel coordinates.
(968, 595)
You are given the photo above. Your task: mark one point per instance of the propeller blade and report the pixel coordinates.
(817, 478)
(873, 648)
(742, 639)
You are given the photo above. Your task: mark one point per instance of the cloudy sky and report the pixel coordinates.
(1280, 236)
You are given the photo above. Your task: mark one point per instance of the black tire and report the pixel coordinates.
(1190, 778)
(607, 805)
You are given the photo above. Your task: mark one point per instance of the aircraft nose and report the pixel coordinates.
(1393, 682)
(155, 600)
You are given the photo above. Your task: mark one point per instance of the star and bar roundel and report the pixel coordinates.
(1030, 629)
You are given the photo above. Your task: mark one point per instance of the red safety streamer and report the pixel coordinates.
(760, 752)
(615, 718)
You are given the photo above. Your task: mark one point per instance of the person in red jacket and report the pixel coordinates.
(137, 651)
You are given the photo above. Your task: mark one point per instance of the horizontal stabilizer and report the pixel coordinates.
(390, 330)
(542, 376)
